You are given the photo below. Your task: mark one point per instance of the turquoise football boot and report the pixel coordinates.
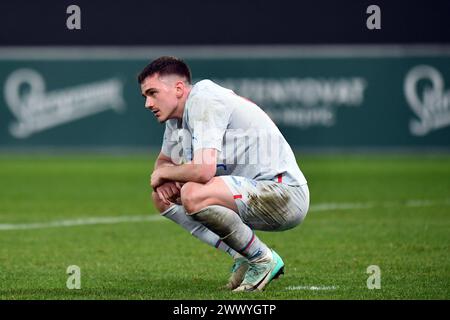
(259, 274)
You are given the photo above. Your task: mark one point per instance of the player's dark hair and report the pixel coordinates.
(164, 66)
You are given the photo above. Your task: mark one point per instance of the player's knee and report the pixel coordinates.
(190, 197)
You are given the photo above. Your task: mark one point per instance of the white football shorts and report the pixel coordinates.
(268, 205)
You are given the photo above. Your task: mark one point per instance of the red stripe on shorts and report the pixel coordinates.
(280, 178)
(237, 196)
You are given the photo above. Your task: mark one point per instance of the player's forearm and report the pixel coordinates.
(163, 163)
(186, 172)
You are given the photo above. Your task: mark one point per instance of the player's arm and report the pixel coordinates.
(163, 161)
(169, 190)
(201, 169)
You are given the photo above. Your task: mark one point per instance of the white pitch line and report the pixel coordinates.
(150, 218)
(369, 205)
(80, 222)
(312, 288)
(340, 206)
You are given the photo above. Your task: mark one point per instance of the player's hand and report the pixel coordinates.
(156, 180)
(168, 192)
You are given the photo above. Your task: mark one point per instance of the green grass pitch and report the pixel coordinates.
(390, 211)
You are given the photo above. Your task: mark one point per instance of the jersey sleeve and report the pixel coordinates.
(209, 119)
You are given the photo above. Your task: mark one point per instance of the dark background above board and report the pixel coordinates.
(194, 22)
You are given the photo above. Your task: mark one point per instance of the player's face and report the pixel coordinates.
(160, 96)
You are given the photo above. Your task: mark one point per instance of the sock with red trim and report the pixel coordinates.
(177, 214)
(233, 231)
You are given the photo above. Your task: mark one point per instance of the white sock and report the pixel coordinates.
(233, 231)
(177, 214)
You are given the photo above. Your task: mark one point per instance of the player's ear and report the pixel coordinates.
(179, 88)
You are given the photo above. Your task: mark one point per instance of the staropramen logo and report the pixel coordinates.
(431, 104)
(37, 110)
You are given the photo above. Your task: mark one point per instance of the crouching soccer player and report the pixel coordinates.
(224, 170)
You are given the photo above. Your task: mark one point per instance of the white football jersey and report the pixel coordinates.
(248, 142)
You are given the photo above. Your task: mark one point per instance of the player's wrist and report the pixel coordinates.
(163, 173)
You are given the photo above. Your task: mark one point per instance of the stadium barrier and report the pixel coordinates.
(320, 96)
